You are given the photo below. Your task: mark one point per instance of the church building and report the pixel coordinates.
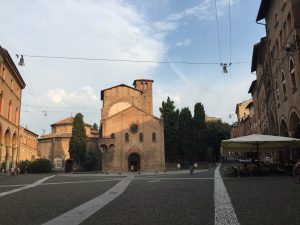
(131, 137)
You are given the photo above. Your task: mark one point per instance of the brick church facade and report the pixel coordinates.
(131, 137)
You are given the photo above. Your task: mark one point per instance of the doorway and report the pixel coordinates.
(134, 162)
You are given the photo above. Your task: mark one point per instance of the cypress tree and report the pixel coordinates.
(170, 117)
(199, 142)
(77, 144)
(185, 150)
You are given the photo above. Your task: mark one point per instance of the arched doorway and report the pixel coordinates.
(7, 144)
(134, 162)
(294, 125)
(283, 129)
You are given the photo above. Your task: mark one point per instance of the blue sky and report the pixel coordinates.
(158, 30)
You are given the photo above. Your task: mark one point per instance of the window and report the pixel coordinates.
(276, 19)
(153, 137)
(284, 30)
(292, 73)
(277, 90)
(281, 38)
(126, 137)
(289, 24)
(141, 137)
(16, 116)
(1, 101)
(3, 73)
(112, 136)
(9, 110)
(134, 128)
(283, 85)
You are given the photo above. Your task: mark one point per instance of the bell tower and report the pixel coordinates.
(146, 87)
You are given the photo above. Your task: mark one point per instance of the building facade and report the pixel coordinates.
(276, 64)
(55, 146)
(282, 20)
(132, 138)
(28, 145)
(11, 85)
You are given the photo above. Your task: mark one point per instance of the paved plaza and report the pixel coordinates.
(149, 199)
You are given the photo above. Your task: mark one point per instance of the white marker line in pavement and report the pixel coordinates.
(26, 187)
(176, 178)
(224, 212)
(82, 212)
(153, 181)
(76, 182)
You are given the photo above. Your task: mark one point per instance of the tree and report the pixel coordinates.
(170, 117)
(95, 126)
(185, 150)
(77, 144)
(199, 136)
(217, 131)
(91, 161)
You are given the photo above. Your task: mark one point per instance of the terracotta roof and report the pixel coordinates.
(120, 85)
(61, 135)
(4, 53)
(142, 80)
(68, 120)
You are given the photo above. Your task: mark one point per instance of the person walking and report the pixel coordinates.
(191, 170)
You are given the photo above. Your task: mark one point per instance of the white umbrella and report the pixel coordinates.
(259, 142)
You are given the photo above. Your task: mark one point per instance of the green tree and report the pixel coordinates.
(199, 136)
(170, 117)
(77, 144)
(185, 150)
(217, 131)
(91, 161)
(95, 126)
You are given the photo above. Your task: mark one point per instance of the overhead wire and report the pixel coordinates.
(218, 31)
(128, 60)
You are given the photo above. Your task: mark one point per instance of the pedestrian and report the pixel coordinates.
(191, 170)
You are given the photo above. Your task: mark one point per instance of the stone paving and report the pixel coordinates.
(150, 199)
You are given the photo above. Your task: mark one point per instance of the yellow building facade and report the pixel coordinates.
(11, 85)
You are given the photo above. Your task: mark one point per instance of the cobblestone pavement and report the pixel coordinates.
(151, 199)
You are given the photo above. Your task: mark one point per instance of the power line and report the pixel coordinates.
(129, 60)
(218, 30)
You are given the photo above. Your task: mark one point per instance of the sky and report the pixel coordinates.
(140, 30)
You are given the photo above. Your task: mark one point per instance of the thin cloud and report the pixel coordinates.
(185, 42)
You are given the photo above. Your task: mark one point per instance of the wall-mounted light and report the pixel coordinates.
(290, 47)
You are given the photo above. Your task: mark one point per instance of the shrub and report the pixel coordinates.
(40, 166)
(24, 165)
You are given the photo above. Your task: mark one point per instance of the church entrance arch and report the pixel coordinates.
(134, 162)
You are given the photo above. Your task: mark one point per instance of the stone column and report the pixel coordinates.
(7, 158)
(14, 156)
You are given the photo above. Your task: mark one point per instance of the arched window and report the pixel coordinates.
(1, 101)
(153, 137)
(292, 73)
(283, 84)
(17, 116)
(9, 110)
(277, 90)
(113, 136)
(126, 137)
(141, 137)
